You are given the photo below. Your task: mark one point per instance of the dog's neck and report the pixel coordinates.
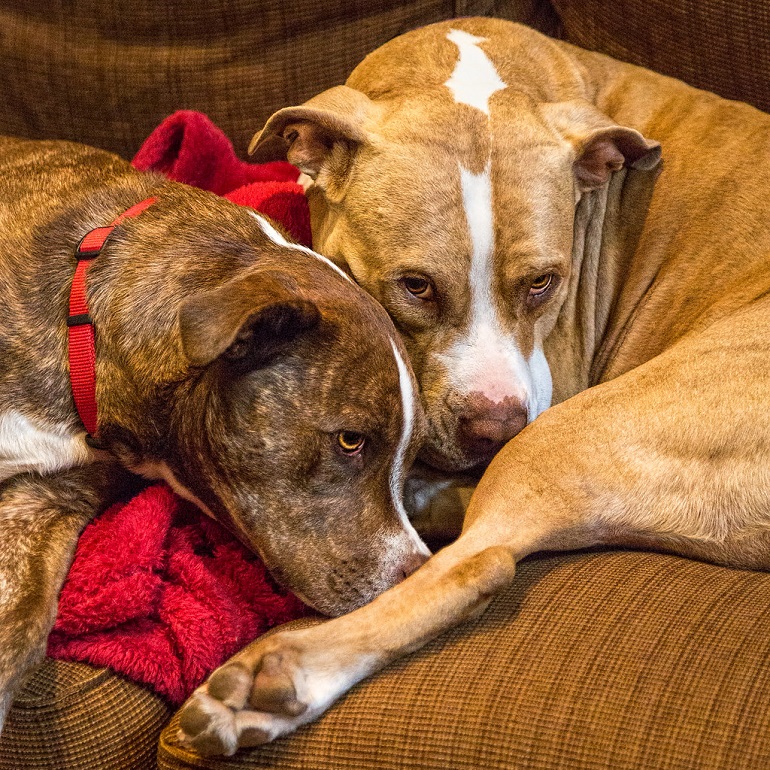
(606, 236)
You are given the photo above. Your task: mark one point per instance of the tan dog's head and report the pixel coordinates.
(446, 178)
(292, 413)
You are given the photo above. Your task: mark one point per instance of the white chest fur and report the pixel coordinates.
(25, 446)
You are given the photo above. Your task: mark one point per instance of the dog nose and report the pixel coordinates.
(412, 563)
(485, 426)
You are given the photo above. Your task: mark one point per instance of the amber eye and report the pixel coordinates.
(418, 286)
(540, 285)
(350, 443)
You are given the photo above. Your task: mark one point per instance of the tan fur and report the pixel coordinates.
(658, 338)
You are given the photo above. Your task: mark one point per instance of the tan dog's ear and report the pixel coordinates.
(601, 146)
(323, 132)
(609, 149)
(248, 320)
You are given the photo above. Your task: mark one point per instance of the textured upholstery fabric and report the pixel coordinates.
(719, 45)
(107, 73)
(74, 717)
(590, 661)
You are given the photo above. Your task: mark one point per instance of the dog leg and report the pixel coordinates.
(40, 519)
(672, 455)
(289, 678)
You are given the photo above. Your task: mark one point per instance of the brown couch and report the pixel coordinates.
(591, 660)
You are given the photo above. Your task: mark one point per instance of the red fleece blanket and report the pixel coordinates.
(158, 591)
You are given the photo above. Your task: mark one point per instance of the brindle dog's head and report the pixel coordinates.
(292, 414)
(446, 177)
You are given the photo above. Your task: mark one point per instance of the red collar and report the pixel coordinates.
(82, 349)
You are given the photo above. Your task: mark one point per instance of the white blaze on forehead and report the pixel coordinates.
(474, 78)
(408, 399)
(477, 202)
(276, 237)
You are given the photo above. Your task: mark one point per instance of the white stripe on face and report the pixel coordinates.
(408, 397)
(474, 78)
(277, 238)
(487, 360)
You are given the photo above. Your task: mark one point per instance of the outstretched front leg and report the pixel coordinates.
(289, 678)
(40, 521)
(672, 455)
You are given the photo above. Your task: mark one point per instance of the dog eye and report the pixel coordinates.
(540, 285)
(350, 443)
(418, 286)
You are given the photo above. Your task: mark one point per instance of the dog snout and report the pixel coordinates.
(485, 426)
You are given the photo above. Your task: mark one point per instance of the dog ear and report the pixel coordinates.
(321, 134)
(607, 150)
(601, 146)
(248, 320)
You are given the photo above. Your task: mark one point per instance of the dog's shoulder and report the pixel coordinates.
(27, 446)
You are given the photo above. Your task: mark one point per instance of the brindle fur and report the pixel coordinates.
(226, 363)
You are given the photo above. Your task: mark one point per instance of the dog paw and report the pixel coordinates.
(266, 691)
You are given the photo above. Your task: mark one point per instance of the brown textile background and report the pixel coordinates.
(719, 45)
(107, 73)
(74, 717)
(589, 662)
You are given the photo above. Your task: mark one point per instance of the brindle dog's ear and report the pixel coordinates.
(248, 320)
(318, 136)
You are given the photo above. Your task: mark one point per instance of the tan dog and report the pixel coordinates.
(248, 372)
(491, 187)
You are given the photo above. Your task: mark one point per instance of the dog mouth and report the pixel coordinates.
(472, 467)
(337, 588)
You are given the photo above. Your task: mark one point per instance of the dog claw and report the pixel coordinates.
(208, 726)
(193, 719)
(254, 729)
(231, 684)
(253, 736)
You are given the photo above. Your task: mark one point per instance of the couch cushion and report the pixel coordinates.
(719, 45)
(107, 73)
(70, 716)
(604, 660)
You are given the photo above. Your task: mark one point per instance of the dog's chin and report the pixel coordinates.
(332, 606)
(456, 463)
(329, 599)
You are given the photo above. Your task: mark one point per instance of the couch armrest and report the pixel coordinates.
(107, 73)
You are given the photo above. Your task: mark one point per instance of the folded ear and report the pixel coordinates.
(248, 320)
(607, 150)
(601, 146)
(321, 134)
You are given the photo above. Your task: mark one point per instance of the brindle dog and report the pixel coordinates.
(248, 372)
